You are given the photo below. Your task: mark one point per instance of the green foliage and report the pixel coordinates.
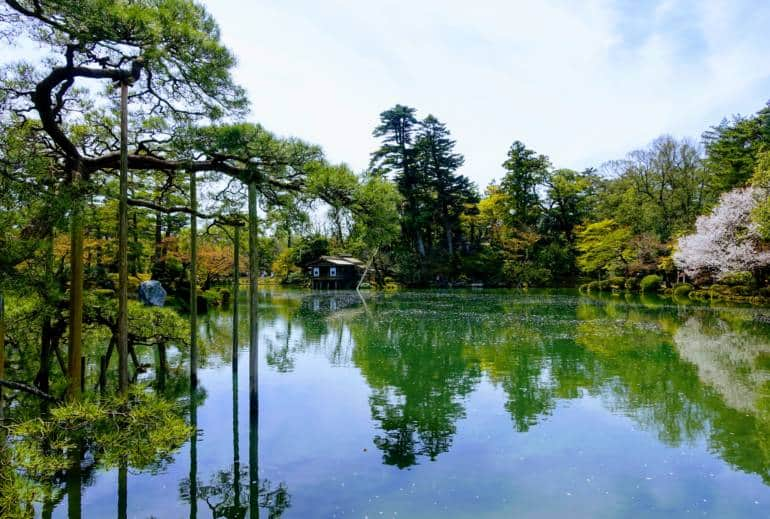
(525, 170)
(297, 279)
(142, 430)
(310, 248)
(170, 272)
(601, 246)
(176, 38)
(734, 146)
(682, 289)
(650, 283)
(376, 202)
(658, 190)
(631, 284)
(761, 179)
(16, 493)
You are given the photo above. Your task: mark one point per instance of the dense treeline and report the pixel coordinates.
(543, 225)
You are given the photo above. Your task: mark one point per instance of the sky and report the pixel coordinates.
(582, 82)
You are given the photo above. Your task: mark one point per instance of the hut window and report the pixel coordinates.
(333, 272)
(316, 272)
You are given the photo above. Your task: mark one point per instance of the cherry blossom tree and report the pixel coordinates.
(727, 240)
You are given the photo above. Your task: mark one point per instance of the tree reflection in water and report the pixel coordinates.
(225, 494)
(664, 366)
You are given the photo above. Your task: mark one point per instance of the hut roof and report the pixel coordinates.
(341, 260)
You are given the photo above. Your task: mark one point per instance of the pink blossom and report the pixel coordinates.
(724, 241)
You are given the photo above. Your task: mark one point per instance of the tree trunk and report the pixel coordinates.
(162, 367)
(42, 379)
(420, 244)
(158, 236)
(193, 282)
(448, 233)
(123, 247)
(74, 350)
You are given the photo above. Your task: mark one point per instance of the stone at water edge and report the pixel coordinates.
(152, 293)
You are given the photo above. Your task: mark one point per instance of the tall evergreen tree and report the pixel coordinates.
(525, 170)
(396, 156)
(438, 161)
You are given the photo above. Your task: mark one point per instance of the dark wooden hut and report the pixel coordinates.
(335, 272)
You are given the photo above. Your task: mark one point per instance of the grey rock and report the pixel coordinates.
(152, 293)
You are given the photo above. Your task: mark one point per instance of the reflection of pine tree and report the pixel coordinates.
(227, 498)
(418, 376)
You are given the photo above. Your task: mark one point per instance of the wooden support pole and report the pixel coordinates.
(236, 445)
(236, 289)
(76, 292)
(253, 303)
(253, 357)
(194, 456)
(193, 282)
(122, 490)
(123, 246)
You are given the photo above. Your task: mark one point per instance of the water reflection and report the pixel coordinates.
(680, 371)
(686, 374)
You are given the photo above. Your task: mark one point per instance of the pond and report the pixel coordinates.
(469, 404)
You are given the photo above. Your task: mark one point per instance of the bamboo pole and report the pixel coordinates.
(193, 282)
(123, 246)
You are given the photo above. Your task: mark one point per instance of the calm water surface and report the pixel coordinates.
(471, 404)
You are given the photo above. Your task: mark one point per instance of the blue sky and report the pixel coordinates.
(582, 82)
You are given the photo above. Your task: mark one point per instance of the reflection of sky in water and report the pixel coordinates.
(481, 405)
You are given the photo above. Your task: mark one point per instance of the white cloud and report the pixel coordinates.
(581, 82)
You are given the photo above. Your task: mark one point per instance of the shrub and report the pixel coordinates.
(737, 278)
(682, 289)
(719, 289)
(741, 290)
(651, 282)
(296, 279)
(616, 282)
(700, 295)
(211, 297)
(631, 284)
